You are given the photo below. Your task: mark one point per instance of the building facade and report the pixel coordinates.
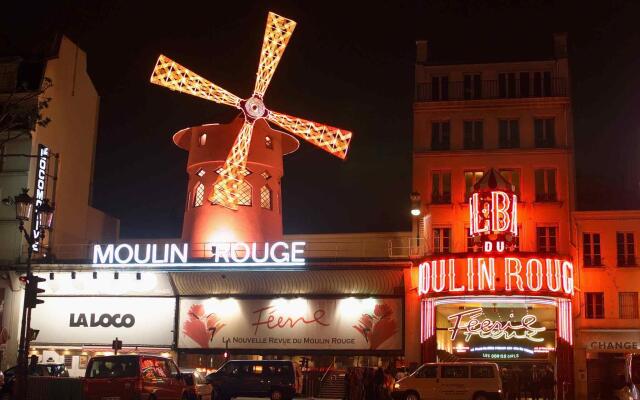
(514, 119)
(606, 309)
(69, 141)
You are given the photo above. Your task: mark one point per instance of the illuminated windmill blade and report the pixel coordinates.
(328, 138)
(276, 36)
(174, 76)
(226, 190)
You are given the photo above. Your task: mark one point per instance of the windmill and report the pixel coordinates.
(226, 189)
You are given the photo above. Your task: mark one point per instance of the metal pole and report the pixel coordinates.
(23, 346)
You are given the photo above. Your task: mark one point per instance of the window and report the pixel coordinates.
(626, 249)
(481, 371)
(202, 140)
(265, 174)
(472, 135)
(441, 240)
(268, 142)
(440, 134)
(507, 85)
(198, 197)
(472, 86)
(591, 249)
(200, 172)
(542, 84)
(470, 179)
(513, 176)
(544, 132)
(454, 371)
(440, 187)
(265, 198)
(244, 193)
(68, 361)
(428, 371)
(545, 184)
(509, 133)
(439, 88)
(546, 238)
(524, 84)
(594, 305)
(628, 305)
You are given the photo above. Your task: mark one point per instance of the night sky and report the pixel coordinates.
(349, 64)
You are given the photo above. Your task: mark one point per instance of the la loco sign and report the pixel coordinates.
(511, 275)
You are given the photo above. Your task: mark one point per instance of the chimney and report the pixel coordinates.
(560, 45)
(422, 51)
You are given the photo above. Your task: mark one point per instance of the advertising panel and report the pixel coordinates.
(311, 324)
(99, 320)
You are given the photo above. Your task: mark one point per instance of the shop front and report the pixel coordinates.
(513, 310)
(606, 360)
(323, 314)
(497, 303)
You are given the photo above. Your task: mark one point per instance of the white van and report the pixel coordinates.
(451, 381)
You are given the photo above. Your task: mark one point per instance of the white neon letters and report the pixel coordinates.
(240, 253)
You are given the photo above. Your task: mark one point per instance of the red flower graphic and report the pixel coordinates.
(200, 327)
(377, 327)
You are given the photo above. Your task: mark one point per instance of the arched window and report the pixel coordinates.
(198, 195)
(203, 139)
(244, 194)
(265, 198)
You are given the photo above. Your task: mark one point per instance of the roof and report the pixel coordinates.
(493, 180)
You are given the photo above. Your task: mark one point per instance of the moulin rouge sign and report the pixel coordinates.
(177, 255)
(493, 224)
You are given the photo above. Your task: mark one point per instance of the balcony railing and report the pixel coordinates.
(490, 89)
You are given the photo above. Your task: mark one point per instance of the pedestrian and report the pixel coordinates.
(379, 384)
(548, 383)
(535, 383)
(369, 385)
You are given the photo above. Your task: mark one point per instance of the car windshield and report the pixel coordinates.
(112, 367)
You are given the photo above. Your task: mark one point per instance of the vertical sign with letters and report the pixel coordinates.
(40, 188)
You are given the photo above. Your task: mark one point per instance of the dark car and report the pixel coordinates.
(279, 380)
(10, 377)
(128, 377)
(198, 387)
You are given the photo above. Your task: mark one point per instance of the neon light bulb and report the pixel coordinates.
(452, 277)
(553, 276)
(500, 215)
(538, 273)
(486, 274)
(509, 264)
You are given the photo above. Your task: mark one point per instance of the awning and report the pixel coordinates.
(355, 282)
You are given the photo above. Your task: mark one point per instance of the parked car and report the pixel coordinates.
(199, 388)
(451, 381)
(9, 378)
(128, 377)
(279, 380)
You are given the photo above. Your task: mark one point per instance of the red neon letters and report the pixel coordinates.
(495, 274)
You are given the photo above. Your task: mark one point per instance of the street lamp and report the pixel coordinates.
(416, 210)
(415, 204)
(28, 208)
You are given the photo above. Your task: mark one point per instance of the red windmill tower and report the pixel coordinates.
(235, 169)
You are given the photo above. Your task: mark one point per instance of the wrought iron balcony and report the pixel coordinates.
(491, 89)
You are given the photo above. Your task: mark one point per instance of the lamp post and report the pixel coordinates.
(416, 210)
(42, 218)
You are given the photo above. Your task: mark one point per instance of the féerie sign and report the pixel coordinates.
(470, 324)
(218, 254)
